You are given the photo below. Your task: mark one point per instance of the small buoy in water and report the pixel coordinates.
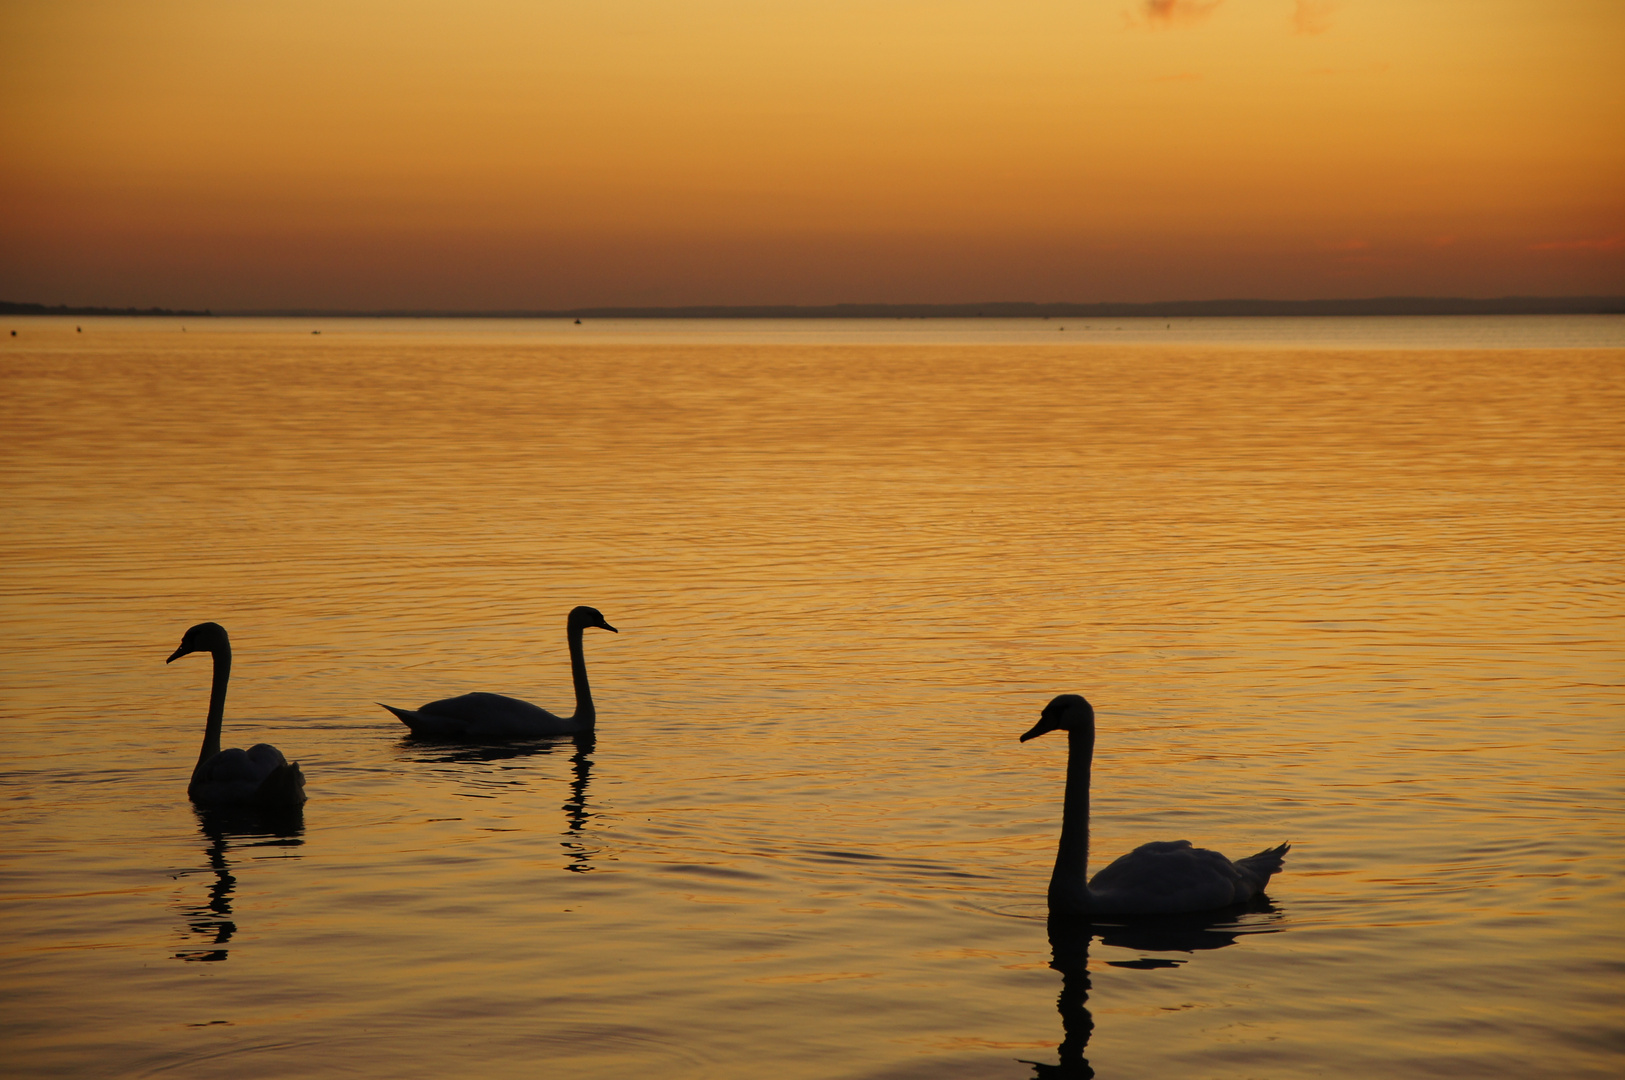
(78, 329)
(14, 333)
(578, 322)
(315, 331)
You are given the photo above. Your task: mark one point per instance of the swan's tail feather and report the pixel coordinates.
(430, 725)
(1265, 864)
(283, 786)
(405, 716)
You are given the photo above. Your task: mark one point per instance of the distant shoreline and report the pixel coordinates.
(9, 308)
(1374, 306)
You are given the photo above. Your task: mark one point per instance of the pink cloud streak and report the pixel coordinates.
(1607, 243)
(1313, 16)
(1169, 12)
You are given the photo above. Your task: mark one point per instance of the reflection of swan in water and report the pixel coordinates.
(1069, 946)
(259, 775)
(1159, 878)
(1070, 937)
(495, 716)
(227, 831)
(576, 813)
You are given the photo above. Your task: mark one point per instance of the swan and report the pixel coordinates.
(493, 716)
(258, 776)
(1161, 878)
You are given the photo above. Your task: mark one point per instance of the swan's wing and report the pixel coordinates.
(258, 774)
(285, 786)
(226, 767)
(1167, 877)
(1261, 867)
(483, 716)
(265, 758)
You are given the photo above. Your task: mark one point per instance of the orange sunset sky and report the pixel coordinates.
(487, 154)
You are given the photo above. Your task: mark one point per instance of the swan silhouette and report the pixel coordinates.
(483, 716)
(258, 776)
(1161, 878)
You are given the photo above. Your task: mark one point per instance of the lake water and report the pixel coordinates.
(1353, 584)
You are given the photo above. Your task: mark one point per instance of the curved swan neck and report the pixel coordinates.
(1071, 877)
(217, 702)
(585, 713)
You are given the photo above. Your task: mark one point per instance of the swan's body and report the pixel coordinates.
(1160, 878)
(258, 776)
(495, 717)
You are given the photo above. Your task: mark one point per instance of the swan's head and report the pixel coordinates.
(204, 637)
(1069, 712)
(584, 616)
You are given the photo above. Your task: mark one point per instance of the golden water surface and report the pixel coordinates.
(1364, 599)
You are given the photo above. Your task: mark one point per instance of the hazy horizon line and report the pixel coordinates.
(1378, 305)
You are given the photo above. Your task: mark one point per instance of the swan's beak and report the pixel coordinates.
(604, 625)
(1043, 726)
(177, 654)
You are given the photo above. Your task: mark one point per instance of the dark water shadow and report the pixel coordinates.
(576, 810)
(234, 830)
(1071, 936)
(456, 752)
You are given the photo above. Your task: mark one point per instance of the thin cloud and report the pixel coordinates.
(1607, 243)
(1369, 69)
(1177, 12)
(1354, 255)
(1313, 16)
